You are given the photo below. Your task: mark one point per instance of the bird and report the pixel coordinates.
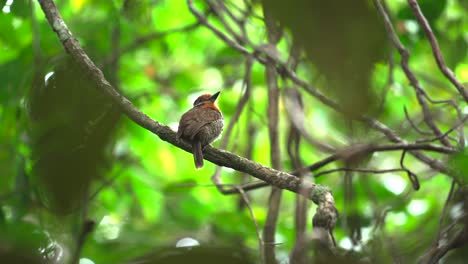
(201, 125)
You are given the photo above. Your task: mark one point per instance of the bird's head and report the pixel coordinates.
(207, 99)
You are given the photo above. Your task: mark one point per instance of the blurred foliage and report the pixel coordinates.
(71, 123)
(344, 40)
(61, 139)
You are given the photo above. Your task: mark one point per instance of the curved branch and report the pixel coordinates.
(404, 62)
(351, 152)
(282, 69)
(435, 48)
(318, 194)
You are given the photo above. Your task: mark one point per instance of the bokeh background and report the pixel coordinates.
(67, 151)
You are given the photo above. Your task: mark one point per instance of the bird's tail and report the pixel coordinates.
(197, 154)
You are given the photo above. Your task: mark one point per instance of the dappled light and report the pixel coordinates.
(237, 131)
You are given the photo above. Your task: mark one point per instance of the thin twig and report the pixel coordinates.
(390, 78)
(443, 214)
(235, 117)
(364, 170)
(451, 102)
(411, 176)
(458, 124)
(254, 219)
(218, 11)
(202, 19)
(413, 125)
(404, 53)
(283, 70)
(435, 48)
(337, 156)
(295, 111)
(242, 102)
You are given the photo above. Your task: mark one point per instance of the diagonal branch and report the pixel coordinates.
(282, 69)
(435, 48)
(404, 62)
(318, 194)
(350, 153)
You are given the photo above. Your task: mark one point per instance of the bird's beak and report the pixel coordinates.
(214, 96)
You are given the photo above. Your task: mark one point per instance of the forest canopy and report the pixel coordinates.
(343, 133)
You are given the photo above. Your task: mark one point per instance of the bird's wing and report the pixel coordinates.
(194, 120)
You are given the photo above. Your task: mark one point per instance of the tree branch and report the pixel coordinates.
(318, 194)
(345, 154)
(404, 62)
(274, 200)
(282, 68)
(435, 48)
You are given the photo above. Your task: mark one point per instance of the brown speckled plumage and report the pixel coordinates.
(201, 125)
